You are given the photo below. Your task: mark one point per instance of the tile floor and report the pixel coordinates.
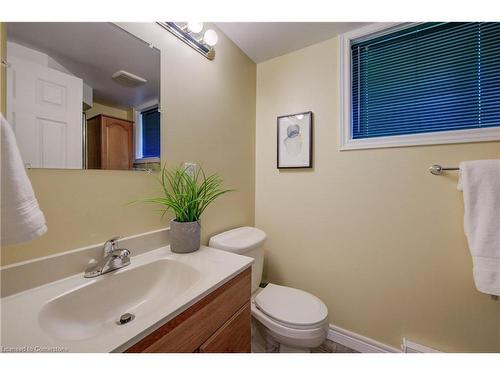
(333, 347)
(327, 347)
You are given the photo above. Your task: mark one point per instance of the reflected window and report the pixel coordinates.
(150, 120)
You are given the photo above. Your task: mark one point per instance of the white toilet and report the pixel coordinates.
(288, 318)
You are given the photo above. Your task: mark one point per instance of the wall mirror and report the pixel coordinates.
(83, 96)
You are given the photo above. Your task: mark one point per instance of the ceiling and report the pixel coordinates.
(94, 51)
(262, 41)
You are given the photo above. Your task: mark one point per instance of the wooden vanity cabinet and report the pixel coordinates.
(233, 336)
(110, 143)
(218, 323)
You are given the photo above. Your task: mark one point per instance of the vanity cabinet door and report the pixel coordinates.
(233, 337)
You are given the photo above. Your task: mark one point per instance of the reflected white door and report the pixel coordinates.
(44, 107)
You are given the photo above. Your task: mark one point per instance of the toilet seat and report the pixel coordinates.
(290, 307)
(303, 336)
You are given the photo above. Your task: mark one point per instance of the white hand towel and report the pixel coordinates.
(22, 219)
(480, 183)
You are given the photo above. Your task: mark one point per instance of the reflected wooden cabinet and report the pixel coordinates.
(109, 142)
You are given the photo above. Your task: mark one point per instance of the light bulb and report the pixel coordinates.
(210, 37)
(195, 27)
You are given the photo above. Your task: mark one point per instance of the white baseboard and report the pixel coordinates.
(412, 347)
(357, 342)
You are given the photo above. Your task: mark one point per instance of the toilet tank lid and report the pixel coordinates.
(239, 240)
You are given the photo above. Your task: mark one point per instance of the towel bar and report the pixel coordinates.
(437, 170)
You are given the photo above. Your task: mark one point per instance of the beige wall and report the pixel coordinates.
(370, 232)
(3, 56)
(101, 107)
(209, 107)
(210, 118)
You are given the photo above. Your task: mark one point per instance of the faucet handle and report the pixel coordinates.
(110, 245)
(121, 253)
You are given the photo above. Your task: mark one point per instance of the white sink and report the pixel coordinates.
(87, 311)
(76, 314)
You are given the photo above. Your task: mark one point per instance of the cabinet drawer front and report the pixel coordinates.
(191, 328)
(234, 336)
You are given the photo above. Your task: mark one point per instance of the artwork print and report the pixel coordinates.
(295, 141)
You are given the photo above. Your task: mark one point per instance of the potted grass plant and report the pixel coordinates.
(187, 195)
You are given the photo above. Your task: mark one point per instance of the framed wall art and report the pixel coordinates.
(294, 135)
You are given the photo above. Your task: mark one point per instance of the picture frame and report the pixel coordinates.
(294, 136)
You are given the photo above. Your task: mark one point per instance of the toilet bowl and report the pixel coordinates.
(292, 319)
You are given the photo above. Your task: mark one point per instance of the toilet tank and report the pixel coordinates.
(246, 241)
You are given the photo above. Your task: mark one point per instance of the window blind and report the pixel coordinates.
(151, 133)
(430, 77)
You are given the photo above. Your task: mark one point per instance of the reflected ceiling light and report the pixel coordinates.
(195, 27)
(128, 79)
(299, 117)
(210, 37)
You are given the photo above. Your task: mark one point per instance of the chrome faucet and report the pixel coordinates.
(112, 259)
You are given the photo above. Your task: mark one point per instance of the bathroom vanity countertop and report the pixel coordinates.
(76, 314)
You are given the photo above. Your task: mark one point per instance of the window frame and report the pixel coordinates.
(346, 140)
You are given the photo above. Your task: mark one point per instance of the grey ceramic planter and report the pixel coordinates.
(184, 237)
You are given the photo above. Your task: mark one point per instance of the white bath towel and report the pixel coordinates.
(480, 183)
(22, 219)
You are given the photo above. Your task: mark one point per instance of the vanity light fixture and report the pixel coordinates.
(210, 37)
(194, 27)
(188, 33)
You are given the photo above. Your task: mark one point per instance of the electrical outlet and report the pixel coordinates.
(190, 168)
